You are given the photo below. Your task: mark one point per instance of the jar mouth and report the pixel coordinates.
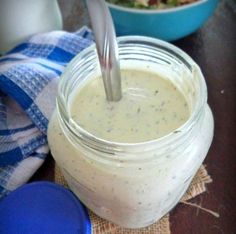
(89, 56)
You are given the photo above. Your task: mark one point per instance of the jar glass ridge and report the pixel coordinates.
(171, 160)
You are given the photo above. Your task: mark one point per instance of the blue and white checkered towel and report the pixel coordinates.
(29, 76)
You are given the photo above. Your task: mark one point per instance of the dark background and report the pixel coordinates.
(213, 47)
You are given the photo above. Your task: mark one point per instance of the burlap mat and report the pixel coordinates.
(101, 226)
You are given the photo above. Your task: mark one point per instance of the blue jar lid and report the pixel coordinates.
(43, 207)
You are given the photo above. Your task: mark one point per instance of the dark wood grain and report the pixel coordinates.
(213, 47)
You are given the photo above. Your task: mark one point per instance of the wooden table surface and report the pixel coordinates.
(213, 47)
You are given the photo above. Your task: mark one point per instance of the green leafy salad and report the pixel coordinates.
(151, 4)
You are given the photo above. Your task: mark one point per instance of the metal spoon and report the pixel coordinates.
(107, 48)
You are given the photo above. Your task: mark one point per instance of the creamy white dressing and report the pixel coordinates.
(151, 107)
(131, 193)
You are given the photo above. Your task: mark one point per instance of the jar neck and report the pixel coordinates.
(180, 69)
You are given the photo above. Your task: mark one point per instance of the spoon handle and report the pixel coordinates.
(107, 47)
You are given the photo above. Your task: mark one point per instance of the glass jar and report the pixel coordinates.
(132, 184)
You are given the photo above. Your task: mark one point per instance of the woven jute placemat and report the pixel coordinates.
(101, 226)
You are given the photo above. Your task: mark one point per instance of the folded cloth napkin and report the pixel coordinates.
(29, 76)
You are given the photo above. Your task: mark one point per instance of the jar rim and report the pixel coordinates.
(120, 146)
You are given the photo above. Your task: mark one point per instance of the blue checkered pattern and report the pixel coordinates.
(29, 76)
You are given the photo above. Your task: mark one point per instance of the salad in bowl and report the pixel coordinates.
(151, 4)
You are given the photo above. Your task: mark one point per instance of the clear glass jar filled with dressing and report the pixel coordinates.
(130, 162)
